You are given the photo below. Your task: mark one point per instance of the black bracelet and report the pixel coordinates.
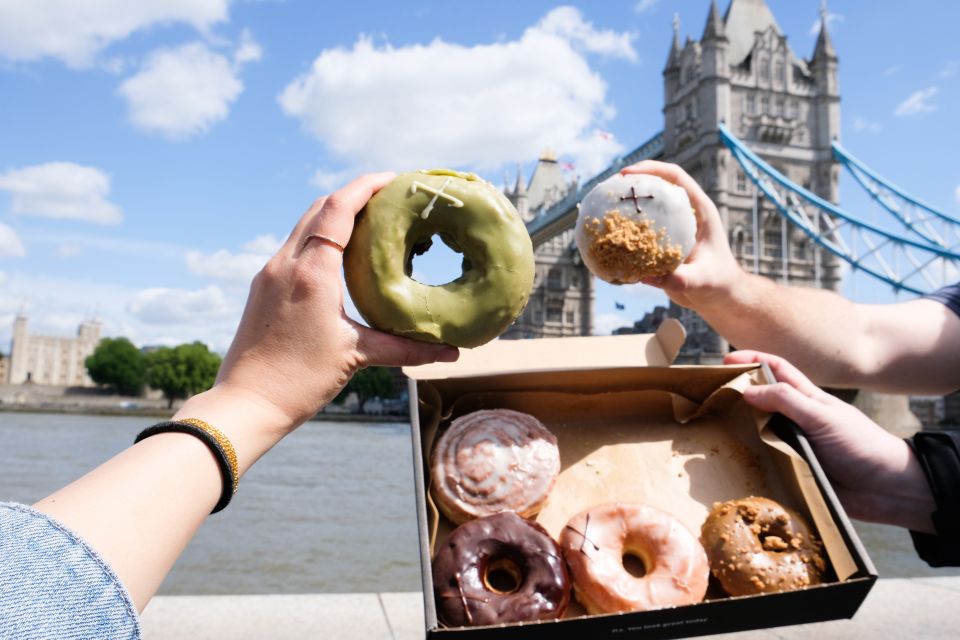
(939, 455)
(218, 444)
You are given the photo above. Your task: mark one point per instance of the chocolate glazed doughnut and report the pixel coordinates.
(755, 545)
(499, 569)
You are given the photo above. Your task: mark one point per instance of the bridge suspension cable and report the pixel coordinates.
(905, 264)
(927, 223)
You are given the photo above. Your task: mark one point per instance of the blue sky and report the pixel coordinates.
(153, 154)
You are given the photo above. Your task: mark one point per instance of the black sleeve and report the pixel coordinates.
(939, 455)
(949, 296)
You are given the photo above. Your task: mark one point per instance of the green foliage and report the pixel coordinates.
(182, 371)
(372, 382)
(118, 364)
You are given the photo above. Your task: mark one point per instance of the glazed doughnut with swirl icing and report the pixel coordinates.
(632, 226)
(596, 541)
(493, 460)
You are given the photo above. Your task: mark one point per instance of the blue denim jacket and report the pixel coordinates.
(54, 586)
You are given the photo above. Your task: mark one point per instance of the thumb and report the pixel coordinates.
(379, 348)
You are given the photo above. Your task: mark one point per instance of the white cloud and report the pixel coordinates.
(180, 93)
(67, 250)
(918, 102)
(869, 126)
(956, 193)
(224, 265)
(950, 69)
(328, 181)
(889, 71)
(248, 50)
(162, 306)
(10, 244)
(76, 31)
(645, 5)
(265, 244)
(833, 20)
(237, 268)
(444, 104)
(61, 190)
(567, 23)
(605, 323)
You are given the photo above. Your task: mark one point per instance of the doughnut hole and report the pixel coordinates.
(634, 563)
(775, 538)
(436, 261)
(503, 576)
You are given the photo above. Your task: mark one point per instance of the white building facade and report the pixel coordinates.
(52, 360)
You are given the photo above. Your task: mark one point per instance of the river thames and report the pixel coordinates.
(330, 509)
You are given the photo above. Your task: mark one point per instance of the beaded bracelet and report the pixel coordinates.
(218, 444)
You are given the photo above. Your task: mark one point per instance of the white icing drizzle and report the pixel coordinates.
(437, 193)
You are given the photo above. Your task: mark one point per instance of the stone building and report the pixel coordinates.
(743, 72)
(562, 300)
(53, 360)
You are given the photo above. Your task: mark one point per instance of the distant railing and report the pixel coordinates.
(563, 214)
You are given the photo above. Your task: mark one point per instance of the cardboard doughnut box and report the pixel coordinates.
(632, 427)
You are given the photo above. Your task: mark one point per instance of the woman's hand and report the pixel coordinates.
(875, 474)
(295, 348)
(710, 272)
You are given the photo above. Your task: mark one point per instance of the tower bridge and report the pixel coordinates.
(757, 126)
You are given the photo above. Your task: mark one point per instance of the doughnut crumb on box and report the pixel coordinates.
(630, 428)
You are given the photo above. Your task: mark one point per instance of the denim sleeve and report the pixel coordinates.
(53, 585)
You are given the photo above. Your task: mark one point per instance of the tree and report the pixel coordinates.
(182, 371)
(118, 364)
(372, 382)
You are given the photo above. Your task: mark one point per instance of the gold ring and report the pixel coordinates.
(322, 238)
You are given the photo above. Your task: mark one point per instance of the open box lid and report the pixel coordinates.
(555, 354)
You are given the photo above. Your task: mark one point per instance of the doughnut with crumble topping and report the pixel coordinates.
(755, 545)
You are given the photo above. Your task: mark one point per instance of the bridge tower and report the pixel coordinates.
(743, 72)
(561, 303)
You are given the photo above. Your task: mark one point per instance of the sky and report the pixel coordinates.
(154, 154)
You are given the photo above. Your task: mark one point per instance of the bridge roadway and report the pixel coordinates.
(562, 215)
(924, 607)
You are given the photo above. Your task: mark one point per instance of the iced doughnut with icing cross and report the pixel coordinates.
(635, 226)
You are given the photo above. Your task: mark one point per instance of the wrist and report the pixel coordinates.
(251, 424)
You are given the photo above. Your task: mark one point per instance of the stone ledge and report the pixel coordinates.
(895, 608)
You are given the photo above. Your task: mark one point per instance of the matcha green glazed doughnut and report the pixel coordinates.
(471, 216)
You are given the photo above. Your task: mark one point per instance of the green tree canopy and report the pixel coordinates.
(372, 382)
(118, 364)
(182, 371)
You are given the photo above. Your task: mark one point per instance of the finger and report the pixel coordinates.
(782, 397)
(702, 205)
(379, 348)
(295, 239)
(335, 218)
(782, 370)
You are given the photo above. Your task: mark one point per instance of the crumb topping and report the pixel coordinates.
(622, 245)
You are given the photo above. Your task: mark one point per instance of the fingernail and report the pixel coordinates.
(448, 354)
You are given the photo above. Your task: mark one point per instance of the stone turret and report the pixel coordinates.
(742, 72)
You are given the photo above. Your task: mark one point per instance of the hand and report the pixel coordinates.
(295, 348)
(875, 474)
(710, 271)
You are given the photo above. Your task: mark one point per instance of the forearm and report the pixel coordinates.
(141, 508)
(815, 329)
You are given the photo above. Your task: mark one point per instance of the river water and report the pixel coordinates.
(329, 509)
